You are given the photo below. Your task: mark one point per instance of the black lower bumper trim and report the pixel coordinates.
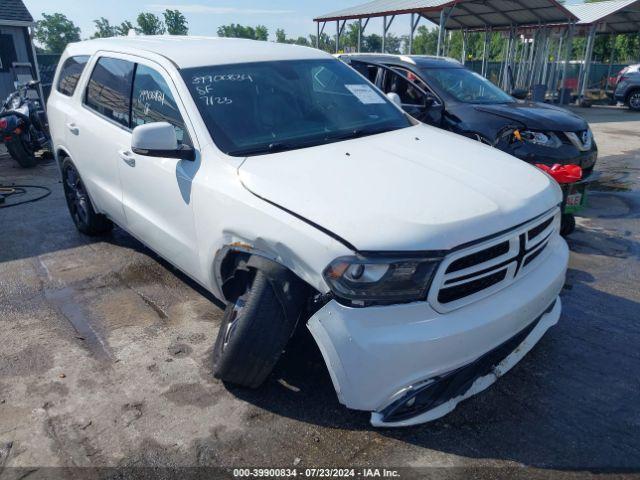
(453, 384)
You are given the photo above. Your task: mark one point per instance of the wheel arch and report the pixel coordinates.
(236, 263)
(60, 153)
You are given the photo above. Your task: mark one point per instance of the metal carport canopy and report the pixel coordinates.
(614, 16)
(466, 14)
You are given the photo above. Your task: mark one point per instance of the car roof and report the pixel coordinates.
(190, 51)
(426, 61)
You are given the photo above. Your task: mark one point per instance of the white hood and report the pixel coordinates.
(419, 188)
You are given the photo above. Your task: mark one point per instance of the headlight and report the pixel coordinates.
(549, 139)
(366, 280)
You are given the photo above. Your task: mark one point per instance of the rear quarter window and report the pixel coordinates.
(70, 73)
(109, 89)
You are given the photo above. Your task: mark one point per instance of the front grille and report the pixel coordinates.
(479, 257)
(474, 272)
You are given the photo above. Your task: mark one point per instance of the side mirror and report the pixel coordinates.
(395, 98)
(520, 93)
(428, 102)
(159, 139)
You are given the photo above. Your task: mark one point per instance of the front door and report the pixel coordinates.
(416, 98)
(157, 195)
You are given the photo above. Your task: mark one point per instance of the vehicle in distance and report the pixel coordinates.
(424, 264)
(442, 92)
(628, 87)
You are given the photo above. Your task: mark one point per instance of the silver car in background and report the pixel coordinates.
(628, 87)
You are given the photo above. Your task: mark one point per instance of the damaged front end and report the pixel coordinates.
(412, 363)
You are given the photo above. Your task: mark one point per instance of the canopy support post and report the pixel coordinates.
(385, 29)
(465, 38)
(415, 19)
(444, 16)
(485, 50)
(587, 63)
(567, 59)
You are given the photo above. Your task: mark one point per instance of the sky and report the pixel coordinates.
(204, 16)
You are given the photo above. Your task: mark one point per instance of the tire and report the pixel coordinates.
(567, 224)
(252, 336)
(86, 219)
(22, 153)
(633, 100)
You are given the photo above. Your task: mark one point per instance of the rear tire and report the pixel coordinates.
(22, 153)
(633, 100)
(252, 336)
(84, 216)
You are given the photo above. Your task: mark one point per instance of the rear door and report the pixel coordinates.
(62, 101)
(98, 131)
(157, 192)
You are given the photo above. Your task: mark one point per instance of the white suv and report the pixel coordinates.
(424, 264)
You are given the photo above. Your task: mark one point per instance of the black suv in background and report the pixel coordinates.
(442, 92)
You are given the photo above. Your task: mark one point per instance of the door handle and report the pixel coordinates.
(127, 157)
(73, 128)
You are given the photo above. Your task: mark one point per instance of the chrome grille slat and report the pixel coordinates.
(474, 272)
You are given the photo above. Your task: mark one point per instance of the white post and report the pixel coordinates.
(587, 62)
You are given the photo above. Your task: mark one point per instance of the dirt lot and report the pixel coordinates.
(105, 357)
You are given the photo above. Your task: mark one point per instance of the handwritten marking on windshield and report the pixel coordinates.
(211, 100)
(229, 77)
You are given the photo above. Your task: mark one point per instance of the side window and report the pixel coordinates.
(70, 74)
(7, 52)
(368, 70)
(419, 82)
(109, 89)
(408, 93)
(153, 102)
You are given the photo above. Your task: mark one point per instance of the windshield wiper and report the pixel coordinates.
(270, 148)
(359, 132)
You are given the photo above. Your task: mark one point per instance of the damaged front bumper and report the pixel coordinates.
(408, 364)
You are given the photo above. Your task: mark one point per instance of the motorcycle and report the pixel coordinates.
(24, 128)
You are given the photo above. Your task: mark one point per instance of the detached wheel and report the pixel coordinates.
(22, 153)
(567, 224)
(253, 333)
(84, 216)
(634, 101)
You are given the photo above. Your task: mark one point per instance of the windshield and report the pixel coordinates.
(257, 108)
(466, 86)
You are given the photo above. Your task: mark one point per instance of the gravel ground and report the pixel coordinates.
(105, 358)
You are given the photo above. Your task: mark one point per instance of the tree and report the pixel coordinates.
(124, 28)
(149, 24)
(281, 37)
(104, 29)
(301, 41)
(425, 41)
(240, 31)
(176, 22)
(327, 43)
(55, 31)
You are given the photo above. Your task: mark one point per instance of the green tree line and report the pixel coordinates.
(54, 31)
